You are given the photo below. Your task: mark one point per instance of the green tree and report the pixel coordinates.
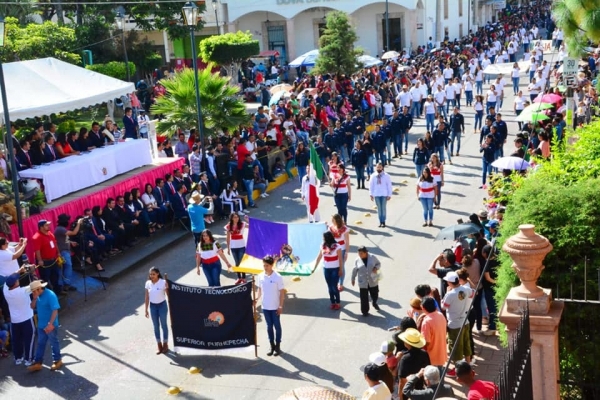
(337, 54)
(23, 10)
(221, 108)
(580, 22)
(38, 41)
(115, 69)
(229, 50)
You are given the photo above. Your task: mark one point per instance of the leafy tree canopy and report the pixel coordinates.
(580, 21)
(38, 41)
(337, 54)
(221, 108)
(229, 48)
(115, 69)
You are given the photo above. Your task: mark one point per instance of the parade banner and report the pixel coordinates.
(210, 320)
(295, 247)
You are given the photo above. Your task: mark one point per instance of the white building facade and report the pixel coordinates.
(293, 27)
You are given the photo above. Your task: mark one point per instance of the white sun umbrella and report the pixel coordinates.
(369, 61)
(307, 59)
(390, 55)
(512, 163)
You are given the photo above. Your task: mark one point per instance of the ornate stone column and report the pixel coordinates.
(528, 250)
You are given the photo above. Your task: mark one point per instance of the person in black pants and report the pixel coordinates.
(366, 269)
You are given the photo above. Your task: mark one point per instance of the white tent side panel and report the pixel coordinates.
(44, 86)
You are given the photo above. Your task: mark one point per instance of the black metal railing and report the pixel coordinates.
(515, 381)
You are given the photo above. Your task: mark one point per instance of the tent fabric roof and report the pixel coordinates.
(44, 86)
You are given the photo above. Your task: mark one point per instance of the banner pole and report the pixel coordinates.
(169, 306)
(254, 317)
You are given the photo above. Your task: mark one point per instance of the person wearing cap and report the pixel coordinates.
(197, 212)
(22, 326)
(413, 359)
(46, 252)
(377, 390)
(388, 349)
(429, 379)
(492, 229)
(457, 302)
(366, 269)
(478, 389)
(383, 372)
(45, 302)
(447, 263)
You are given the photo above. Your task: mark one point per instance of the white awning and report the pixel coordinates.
(41, 87)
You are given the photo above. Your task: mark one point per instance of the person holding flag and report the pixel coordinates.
(310, 186)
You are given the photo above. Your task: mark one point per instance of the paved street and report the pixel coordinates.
(109, 346)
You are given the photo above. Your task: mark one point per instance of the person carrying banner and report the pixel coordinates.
(341, 233)
(271, 289)
(341, 191)
(207, 255)
(331, 253)
(157, 290)
(307, 197)
(236, 243)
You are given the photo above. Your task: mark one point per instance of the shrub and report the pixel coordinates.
(115, 69)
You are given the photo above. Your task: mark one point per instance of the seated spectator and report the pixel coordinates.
(36, 152)
(168, 148)
(50, 154)
(180, 204)
(72, 141)
(95, 137)
(130, 215)
(278, 167)
(84, 249)
(140, 207)
(170, 188)
(83, 141)
(161, 150)
(160, 195)
(179, 178)
(99, 234)
(23, 159)
(230, 197)
(157, 213)
(260, 183)
(123, 232)
(429, 379)
(205, 190)
(62, 146)
(111, 131)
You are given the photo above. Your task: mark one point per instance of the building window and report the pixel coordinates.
(460, 9)
(445, 9)
(321, 28)
(460, 30)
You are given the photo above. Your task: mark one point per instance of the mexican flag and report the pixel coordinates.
(315, 175)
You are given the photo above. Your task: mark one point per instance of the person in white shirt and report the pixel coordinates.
(450, 96)
(440, 100)
(388, 108)
(271, 289)
(515, 76)
(157, 290)
(143, 124)
(499, 84)
(377, 390)
(458, 87)
(448, 74)
(9, 256)
(21, 317)
(519, 105)
(404, 98)
(486, 61)
(416, 96)
(380, 190)
(456, 302)
(534, 89)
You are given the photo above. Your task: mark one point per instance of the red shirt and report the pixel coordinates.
(46, 244)
(482, 390)
(241, 155)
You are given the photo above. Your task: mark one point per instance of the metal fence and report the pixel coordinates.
(514, 381)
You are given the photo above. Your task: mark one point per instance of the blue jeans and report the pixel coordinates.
(360, 173)
(332, 276)
(405, 140)
(415, 109)
(158, 313)
(440, 151)
(380, 156)
(397, 144)
(213, 273)
(419, 169)
(303, 136)
(469, 97)
(370, 165)
(381, 202)
(231, 165)
(238, 254)
(438, 197)
(479, 87)
(515, 82)
(273, 324)
(67, 269)
(288, 169)
(249, 183)
(491, 306)
(427, 204)
(490, 104)
(341, 203)
(430, 122)
(486, 169)
(301, 172)
(455, 135)
(388, 146)
(442, 110)
(478, 119)
(448, 102)
(42, 339)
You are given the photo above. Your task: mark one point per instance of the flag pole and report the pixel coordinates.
(254, 317)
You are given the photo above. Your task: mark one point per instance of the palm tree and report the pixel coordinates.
(221, 108)
(580, 22)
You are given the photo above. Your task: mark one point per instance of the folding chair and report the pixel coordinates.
(183, 221)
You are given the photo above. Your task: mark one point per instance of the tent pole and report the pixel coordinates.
(254, 317)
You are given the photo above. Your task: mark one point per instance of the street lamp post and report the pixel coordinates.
(121, 25)
(9, 142)
(190, 17)
(215, 4)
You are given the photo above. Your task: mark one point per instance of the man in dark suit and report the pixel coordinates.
(131, 217)
(23, 159)
(49, 151)
(179, 203)
(130, 124)
(159, 193)
(170, 187)
(123, 232)
(205, 190)
(95, 137)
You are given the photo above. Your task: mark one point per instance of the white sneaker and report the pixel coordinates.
(28, 363)
(263, 195)
(266, 194)
(246, 211)
(19, 361)
(241, 213)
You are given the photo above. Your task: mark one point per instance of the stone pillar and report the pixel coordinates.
(290, 32)
(528, 250)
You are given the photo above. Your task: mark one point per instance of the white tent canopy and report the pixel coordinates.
(41, 87)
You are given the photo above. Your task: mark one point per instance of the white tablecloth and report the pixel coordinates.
(82, 171)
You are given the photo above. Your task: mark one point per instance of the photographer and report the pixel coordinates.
(62, 234)
(9, 265)
(199, 207)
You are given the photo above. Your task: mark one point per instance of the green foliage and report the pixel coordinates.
(337, 54)
(220, 106)
(93, 35)
(22, 10)
(38, 41)
(229, 48)
(142, 53)
(579, 20)
(66, 126)
(116, 69)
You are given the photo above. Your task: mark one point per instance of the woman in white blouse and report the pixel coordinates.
(534, 89)
(516, 71)
(157, 290)
(491, 98)
(519, 105)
